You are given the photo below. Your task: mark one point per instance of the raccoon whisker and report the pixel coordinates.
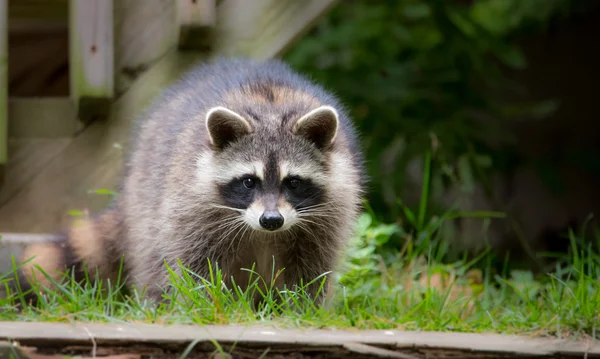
(327, 209)
(243, 234)
(233, 235)
(309, 231)
(221, 239)
(319, 221)
(309, 213)
(294, 237)
(304, 220)
(241, 230)
(233, 227)
(250, 237)
(315, 212)
(314, 242)
(306, 229)
(227, 207)
(316, 205)
(328, 224)
(290, 237)
(229, 222)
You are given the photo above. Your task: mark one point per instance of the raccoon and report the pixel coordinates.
(241, 162)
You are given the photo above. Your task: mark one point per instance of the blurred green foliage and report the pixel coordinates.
(427, 77)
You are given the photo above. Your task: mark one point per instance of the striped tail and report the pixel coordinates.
(89, 245)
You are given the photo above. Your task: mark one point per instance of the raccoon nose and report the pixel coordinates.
(271, 220)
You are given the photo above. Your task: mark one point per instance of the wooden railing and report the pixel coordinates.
(3, 87)
(56, 160)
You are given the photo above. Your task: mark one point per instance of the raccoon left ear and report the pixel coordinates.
(318, 126)
(225, 126)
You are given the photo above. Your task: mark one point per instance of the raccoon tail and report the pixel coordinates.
(89, 245)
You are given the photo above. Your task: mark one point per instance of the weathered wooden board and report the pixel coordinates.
(196, 13)
(3, 86)
(28, 158)
(106, 339)
(39, 9)
(145, 30)
(13, 244)
(43, 117)
(38, 64)
(91, 58)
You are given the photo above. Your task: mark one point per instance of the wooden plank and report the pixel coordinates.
(264, 29)
(82, 338)
(39, 9)
(145, 30)
(36, 25)
(91, 56)
(7, 239)
(38, 65)
(196, 19)
(13, 244)
(28, 158)
(3, 86)
(44, 117)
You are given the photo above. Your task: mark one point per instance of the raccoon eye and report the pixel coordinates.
(249, 182)
(294, 183)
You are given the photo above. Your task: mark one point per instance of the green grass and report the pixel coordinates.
(406, 290)
(391, 278)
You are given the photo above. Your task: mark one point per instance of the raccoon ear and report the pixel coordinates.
(225, 126)
(318, 126)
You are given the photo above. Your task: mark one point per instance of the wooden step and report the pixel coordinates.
(13, 244)
(133, 340)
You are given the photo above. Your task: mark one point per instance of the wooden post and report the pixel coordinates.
(3, 87)
(91, 56)
(196, 20)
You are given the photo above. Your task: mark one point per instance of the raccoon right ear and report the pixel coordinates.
(319, 126)
(225, 126)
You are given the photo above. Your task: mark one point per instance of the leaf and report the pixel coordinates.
(382, 233)
(512, 57)
(76, 213)
(466, 174)
(364, 221)
(417, 11)
(102, 191)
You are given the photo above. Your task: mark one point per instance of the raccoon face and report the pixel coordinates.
(273, 175)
